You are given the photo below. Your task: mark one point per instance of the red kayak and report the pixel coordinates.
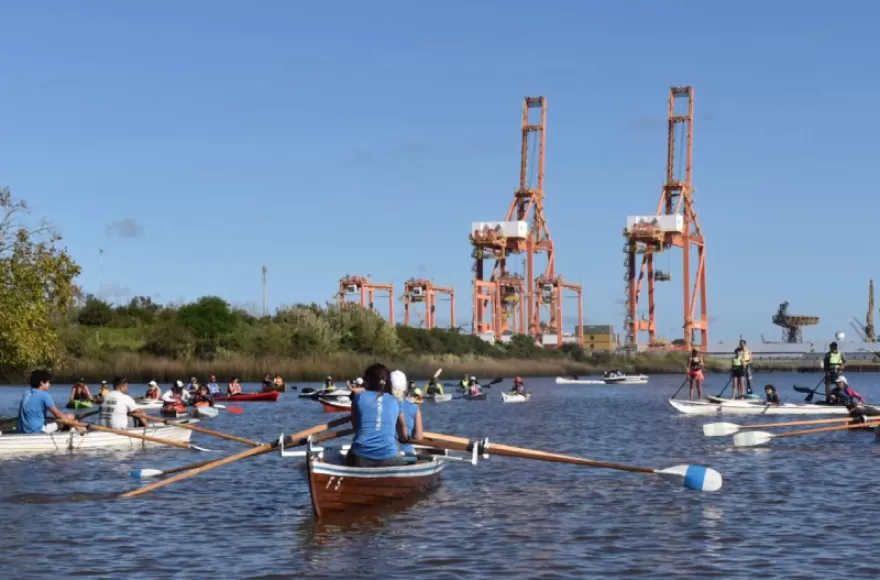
(270, 396)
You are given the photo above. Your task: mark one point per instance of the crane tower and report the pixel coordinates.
(792, 324)
(506, 302)
(423, 292)
(675, 224)
(360, 290)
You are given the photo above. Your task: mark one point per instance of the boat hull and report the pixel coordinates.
(564, 381)
(149, 404)
(205, 412)
(444, 398)
(336, 405)
(269, 396)
(12, 444)
(515, 398)
(335, 488)
(627, 380)
(480, 397)
(80, 405)
(746, 408)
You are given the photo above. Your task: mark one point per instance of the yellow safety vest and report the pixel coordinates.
(835, 359)
(747, 356)
(736, 363)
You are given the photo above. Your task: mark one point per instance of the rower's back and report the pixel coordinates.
(376, 415)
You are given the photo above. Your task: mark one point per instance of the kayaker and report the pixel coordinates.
(475, 388)
(118, 406)
(843, 394)
(411, 389)
(203, 397)
(833, 363)
(464, 384)
(267, 382)
(695, 375)
(747, 365)
(193, 385)
(278, 383)
(233, 387)
(378, 422)
(434, 388)
(519, 387)
(862, 413)
(213, 387)
(35, 403)
(153, 391)
(105, 390)
(737, 372)
(771, 396)
(175, 399)
(329, 386)
(80, 392)
(412, 416)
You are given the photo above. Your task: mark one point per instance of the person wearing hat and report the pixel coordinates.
(329, 386)
(412, 416)
(118, 406)
(80, 392)
(833, 363)
(175, 399)
(519, 387)
(153, 391)
(843, 394)
(105, 390)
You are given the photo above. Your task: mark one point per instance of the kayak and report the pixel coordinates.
(741, 407)
(480, 397)
(565, 381)
(80, 404)
(149, 404)
(205, 412)
(515, 397)
(439, 398)
(626, 380)
(269, 396)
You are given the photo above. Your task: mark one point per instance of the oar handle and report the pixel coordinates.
(91, 427)
(198, 429)
(796, 423)
(825, 429)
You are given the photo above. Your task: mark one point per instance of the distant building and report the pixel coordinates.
(805, 351)
(600, 337)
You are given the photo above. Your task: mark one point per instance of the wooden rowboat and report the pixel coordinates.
(64, 441)
(746, 407)
(336, 487)
(515, 397)
(269, 396)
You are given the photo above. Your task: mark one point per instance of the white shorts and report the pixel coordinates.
(50, 428)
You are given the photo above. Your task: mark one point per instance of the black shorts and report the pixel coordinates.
(831, 376)
(738, 373)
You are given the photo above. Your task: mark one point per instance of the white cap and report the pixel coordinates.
(178, 384)
(152, 384)
(398, 384)
(841, 379)
(359, 381)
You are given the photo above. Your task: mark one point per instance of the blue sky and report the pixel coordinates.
(198, 141)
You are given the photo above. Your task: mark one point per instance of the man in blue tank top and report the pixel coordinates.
(412, 416)
(377, 420)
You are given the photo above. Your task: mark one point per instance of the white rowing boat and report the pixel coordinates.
(626, 380)
(22, 443)
(515, 397)
(746, 407)
(564, 381)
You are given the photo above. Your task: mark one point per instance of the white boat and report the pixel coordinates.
(515, 397)
(444, 398)
(149, 404)
(626, 380)
(746, 407)
(205, 412)
(22, 443)
(565, 381)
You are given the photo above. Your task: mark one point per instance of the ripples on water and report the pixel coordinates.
(780, 505)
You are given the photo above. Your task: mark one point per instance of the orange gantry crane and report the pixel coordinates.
(674, 225)
(418, 291)
(505, 302)
(360, 290)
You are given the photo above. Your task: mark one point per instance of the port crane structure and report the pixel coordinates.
(361, 290)
(419, 292)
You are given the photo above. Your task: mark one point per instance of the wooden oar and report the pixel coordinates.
(93, 427)
(197, 429)
(689, 476)
(293, 440)
(755, 438)
(722, 429)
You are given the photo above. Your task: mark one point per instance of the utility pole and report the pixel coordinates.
(100, 271)
(265, 273)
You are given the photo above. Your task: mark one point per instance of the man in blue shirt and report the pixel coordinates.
(35, 402)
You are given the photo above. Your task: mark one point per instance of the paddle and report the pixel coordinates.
(722, 429)
(293, 440)
(754, 438)
(810, 392)
(93, 427)
(727, 384)
(689, 476)
(679, 388)
(250, 442)
(236, 410)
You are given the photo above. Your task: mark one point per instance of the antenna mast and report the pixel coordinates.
(870, 335)
(265, 274)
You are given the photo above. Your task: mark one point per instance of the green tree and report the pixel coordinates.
(96, 312)
(37, 285)
(209, 317)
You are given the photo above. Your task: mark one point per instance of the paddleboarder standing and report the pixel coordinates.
(833, 364)
(747, 365)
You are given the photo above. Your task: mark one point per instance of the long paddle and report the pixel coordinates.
(723, 429)
(679, 388)
(689, 476)
(754, 438)
(811, 392)
(250, 442)
(293, 440)
(93, 427)
(727, 384)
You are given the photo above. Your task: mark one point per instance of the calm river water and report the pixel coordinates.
(796, 508)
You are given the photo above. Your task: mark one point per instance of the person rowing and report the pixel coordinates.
(80, 392)
(843, 394)
(695, 375)
(278, 383)
(153, 391)
(118, 406)
(771, 396)
(378, 421)
(475, 388)
(519, 387)
(412, 416)
(35, 403)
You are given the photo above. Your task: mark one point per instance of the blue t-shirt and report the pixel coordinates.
(376, 436)
(410, 410)
(32, 410)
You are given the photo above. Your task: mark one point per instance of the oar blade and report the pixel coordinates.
(145, 473)
(695, 477)
(751, 438)
(437, 374)
(236, 410)
(802, 389)
(720, 429)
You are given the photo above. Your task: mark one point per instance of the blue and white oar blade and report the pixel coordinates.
(751, 438)
(692, 477)
(720, 429)
(145, 473)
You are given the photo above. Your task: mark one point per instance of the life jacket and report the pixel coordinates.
(433, 389)
(773, 398)
(746, 356)
(201, 400)
(736, 363)
(175, 405)
(835, 360)
(696, 363)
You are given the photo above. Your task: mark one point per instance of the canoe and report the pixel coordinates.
(564, 381)
(444, 398)
(336, 405)
(335, 487)
(515, 397)
(480, 397)
(268, 397)
(205, 412)
(741, 407)
(79, 405)
(626, 380)
(64, 441)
